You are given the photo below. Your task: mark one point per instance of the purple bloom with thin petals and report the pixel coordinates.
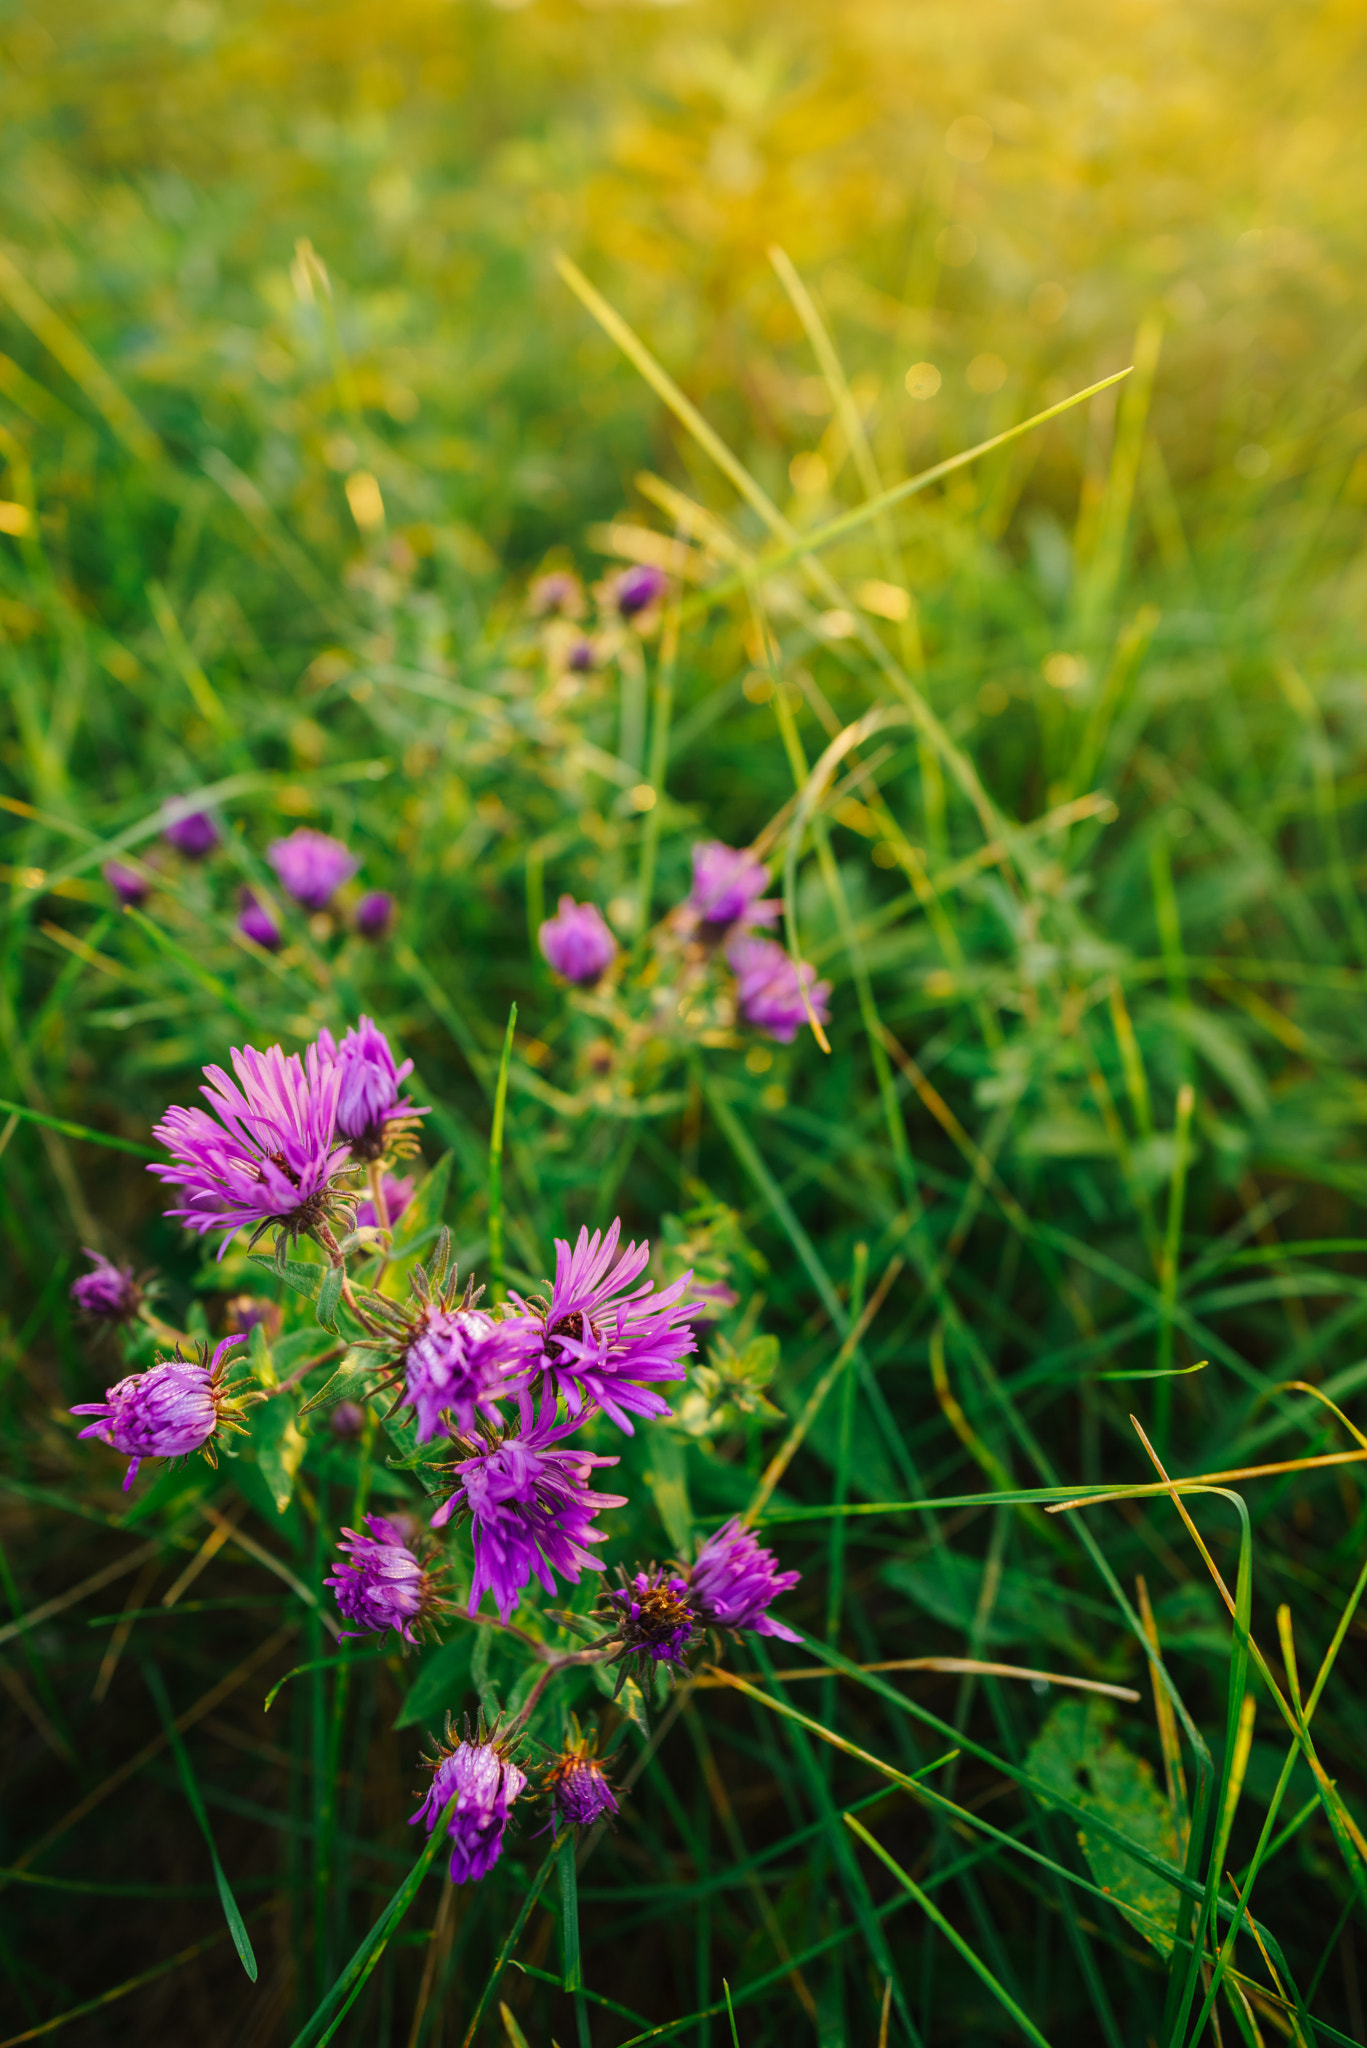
(380, 1584)
(311, 866)
(638, 588)
(167, 1412)
(271, 1153)
(577, 943)
(375, 914)
(107, 1291)
(735, 1579)
(458, 1365)
(367, 1087)
(484, 1783)
(653, 1616)
(398, 1193)
(605, 1330)
(128, 885)
(769, 989)
(532, 1511)
(728, 885)
(191, 832)
(256, 923)
(580, 1792)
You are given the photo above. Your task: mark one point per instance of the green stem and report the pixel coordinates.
(496, 1288)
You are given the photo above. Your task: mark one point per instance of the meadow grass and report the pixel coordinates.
(322, 331)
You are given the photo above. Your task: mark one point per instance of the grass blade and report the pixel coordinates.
(236, 1925)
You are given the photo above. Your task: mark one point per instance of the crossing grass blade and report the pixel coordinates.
(236, 1925)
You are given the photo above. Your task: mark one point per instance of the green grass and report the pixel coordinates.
(1083, 865)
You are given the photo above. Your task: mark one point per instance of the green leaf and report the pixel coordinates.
(236, 1928)
(330, 1296)
(302, 1278)
(259, 1357)
(669, 1487)
(1076, 1753)
(279, 1444)
(442, 1682)
(352, 1381)
(420, 1222)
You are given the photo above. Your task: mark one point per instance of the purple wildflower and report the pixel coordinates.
(597, 1342)
(311, 866)
(484, 1783)
(579, 1789)
(582, 657)
(272, 1155)
(128, 885)
(191, 832)
(380, 1584)
(638, 588)
(769, 989)
(728, 883)
(577, 943)
(532, 1511)
(367, 1087)
(347, 1419)
(375, 914)
(107, 1291)
(458, 1364)
(558, 594)
(734, 1580)
(398, 1193)
(174, 1408)
(651, 1615)
(256, 923)
(245, 1311)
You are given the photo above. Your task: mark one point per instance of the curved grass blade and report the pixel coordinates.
(70, 1130)
(496, 1163)
(236, 1925)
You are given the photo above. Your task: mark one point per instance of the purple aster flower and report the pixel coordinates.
(367, 1087)
(347, 1419)
(484, 1783)
(375, 914)
(107, 1291)
(256, 923)
(311, 866)
(128, 885)
(579, 1789)
(531, 1509)
(577, 943)
(638, 588)
(398, 1193)
(458, 1364)
(556, 595)
(769, 989)
(652, 1617)
(728, 883)
(734, 1580)
(272, 1155)
(601, 1335)
(380, 1584)
(191, 832)
(174, 1408)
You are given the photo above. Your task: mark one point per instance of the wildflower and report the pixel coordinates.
(651, 1617)
(557, 595)
(347, 1419)
(107, 1291)
(579, 1788)
(367, 1088)
(311, 866)
(531, 1510)
(128, 885)
(769, 989)
(256, 923)
(577, 943)
(457, 1364)
(245, 1311)
(637, 589)
(597, 1342)
(484, 1781)
(398, 1193)
(375, 914)
(176, 1407)
(272, 1156)
(380, 1584)
(734, 1580)
(191, 832)
(727, 884)
(582, 657)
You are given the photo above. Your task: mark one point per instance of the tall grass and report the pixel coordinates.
(1058, 764)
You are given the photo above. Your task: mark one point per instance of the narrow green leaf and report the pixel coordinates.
(279, 1446)
(236, 1926)
(303, 1278)
(352, 1381)
(330, 1296)
(496, 1164)
(70, 1130)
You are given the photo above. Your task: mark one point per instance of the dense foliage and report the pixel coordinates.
(1057, 764)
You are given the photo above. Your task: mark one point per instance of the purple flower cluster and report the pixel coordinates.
(484, 1782)
(381, 1584)
(176, 1407)
(310, 866)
